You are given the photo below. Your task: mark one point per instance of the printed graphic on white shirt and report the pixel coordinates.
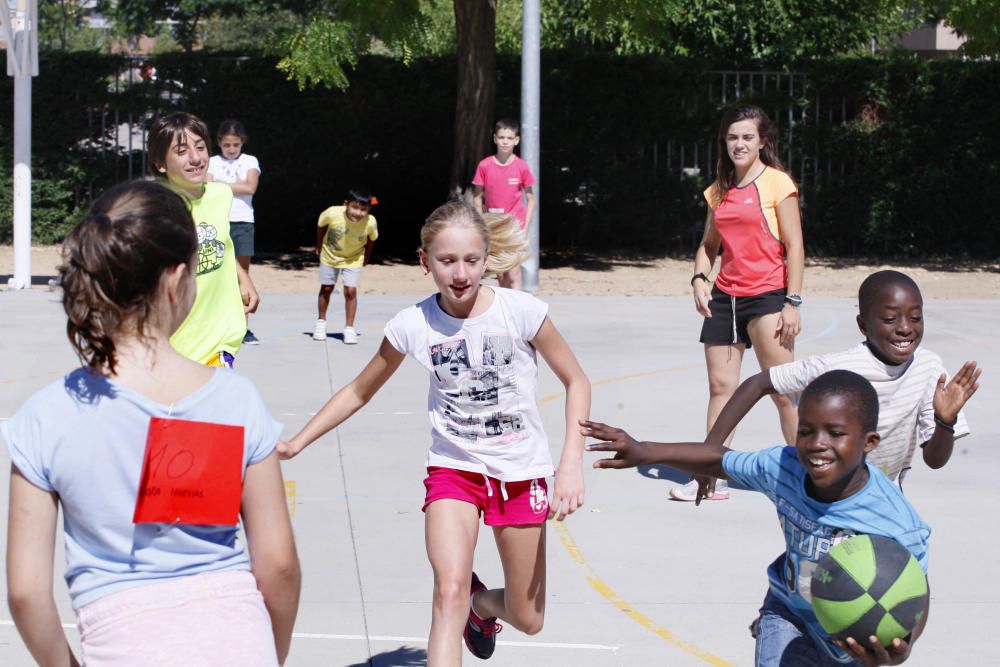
(479, 400)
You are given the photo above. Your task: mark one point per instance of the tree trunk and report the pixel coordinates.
(475, 24)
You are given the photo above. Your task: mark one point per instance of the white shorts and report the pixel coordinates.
(328, 276)
(205, 619)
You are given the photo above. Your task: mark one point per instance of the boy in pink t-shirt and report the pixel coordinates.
(502, 184)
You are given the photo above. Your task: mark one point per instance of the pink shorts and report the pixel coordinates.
(524, 503)
(217, 618)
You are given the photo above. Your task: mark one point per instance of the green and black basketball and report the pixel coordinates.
(869, 585)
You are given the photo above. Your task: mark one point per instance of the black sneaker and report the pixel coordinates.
(480, 634)
(250, 339)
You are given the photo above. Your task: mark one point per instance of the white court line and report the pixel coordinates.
(310, 414)
(423, 640)
(413, 640)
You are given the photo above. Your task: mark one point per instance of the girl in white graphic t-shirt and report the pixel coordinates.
(489, 454)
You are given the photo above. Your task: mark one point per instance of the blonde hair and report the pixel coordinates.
(505, 241)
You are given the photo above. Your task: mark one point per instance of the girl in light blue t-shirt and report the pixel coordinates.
(154, 459)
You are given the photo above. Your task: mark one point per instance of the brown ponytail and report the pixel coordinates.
(112, 264)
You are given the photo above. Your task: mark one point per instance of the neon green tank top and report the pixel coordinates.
(216, 322)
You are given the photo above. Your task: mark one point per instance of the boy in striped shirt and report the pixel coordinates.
(917, 402)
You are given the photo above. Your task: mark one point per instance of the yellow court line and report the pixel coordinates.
(566, 538)
(291, 496)
(608, 594)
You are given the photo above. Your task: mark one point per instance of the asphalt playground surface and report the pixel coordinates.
(633, 578)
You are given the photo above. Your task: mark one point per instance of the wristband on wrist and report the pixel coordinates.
(702, 276)
(793, 300)
(945, 425)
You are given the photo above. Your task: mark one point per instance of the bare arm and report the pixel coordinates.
(949, 399)
(529, 206)
(368, 251)
(567, 496)
(477, 197)
(272, 548)
(738, 405)
(320, 238)
(704, 260)
(347, 401)
(692, 457)
(247, 290)
(790, 224)
(247, 186)
(31, 539)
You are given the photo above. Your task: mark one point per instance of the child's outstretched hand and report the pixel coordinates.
(628, 452)
(875, 653)
(950, 397)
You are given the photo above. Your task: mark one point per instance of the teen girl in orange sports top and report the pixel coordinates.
(754, 218)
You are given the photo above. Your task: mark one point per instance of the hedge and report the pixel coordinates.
(896, 160)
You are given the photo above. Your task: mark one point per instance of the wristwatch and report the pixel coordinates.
(793, 300)
(697, 276)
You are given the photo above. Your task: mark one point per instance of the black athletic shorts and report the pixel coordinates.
(731, 314)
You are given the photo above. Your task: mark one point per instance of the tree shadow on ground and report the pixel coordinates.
(675, 476)
(404, 656)
(36, 281)
(305, 258)
(587, 261)
(942, 264)
(664, 473)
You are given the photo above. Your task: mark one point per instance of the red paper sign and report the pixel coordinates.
(192, 473)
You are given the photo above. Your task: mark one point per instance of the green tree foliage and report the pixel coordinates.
(340, 31)
(144, 17)
(977, 20)
(779, 31)
(62, 26)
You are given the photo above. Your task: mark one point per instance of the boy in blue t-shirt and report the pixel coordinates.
(824, 492)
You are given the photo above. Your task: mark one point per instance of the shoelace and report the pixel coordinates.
(493, 628)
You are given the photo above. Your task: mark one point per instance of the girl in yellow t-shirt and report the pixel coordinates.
(214, 329)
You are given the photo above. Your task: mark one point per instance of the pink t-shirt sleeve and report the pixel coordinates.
(480, 177)
(527, 178)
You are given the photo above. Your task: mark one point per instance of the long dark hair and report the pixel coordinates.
(725, 170)
(112, 264)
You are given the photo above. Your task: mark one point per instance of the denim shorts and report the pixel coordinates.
(783, 641)
(242, 235)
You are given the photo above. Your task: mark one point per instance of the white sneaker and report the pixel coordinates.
(319, 333)
(350, 336)
(689, 491)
